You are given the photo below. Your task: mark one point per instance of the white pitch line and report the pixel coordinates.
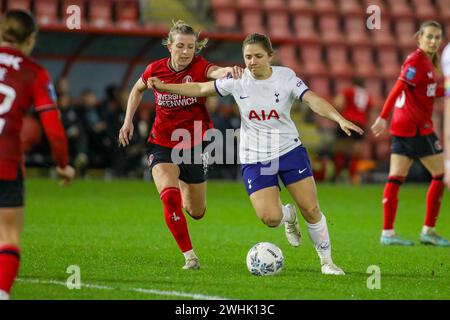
(196, 296)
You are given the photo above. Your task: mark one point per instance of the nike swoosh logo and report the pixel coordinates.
(301, 171)
(241, 97)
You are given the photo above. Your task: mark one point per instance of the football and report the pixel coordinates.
(265, 259)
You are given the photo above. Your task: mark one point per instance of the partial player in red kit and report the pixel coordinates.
(23, 83)
(413, 135)
(355, 104)
(180, 184)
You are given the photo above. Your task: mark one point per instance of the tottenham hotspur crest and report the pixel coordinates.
(276, 97)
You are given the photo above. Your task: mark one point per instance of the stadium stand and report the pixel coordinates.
(326, 42)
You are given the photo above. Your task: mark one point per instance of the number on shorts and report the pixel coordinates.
(6, 105)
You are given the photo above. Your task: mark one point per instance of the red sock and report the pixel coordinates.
(9, 265)
(434, 197)
(339, 163)
(353, 167)
(390, 201)
(171, 198)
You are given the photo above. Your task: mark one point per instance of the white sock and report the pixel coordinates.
(318, 232)
(189, 254)
(4, 295)
(388, 232)
(287, 215)
(427, 229)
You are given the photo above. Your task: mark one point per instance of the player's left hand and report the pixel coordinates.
(346, 126)
(236, 72)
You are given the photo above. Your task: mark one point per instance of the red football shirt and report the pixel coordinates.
(414, 106)
(178, 112)
(357, 103)
(23, 83)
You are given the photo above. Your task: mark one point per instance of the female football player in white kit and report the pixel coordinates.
(269, 142)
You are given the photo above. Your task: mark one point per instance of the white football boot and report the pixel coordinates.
(331, 268)
(4, 295)
(292, 229)
(192, 264)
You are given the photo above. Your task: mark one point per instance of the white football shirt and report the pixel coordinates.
(445, 60)
(267, 130)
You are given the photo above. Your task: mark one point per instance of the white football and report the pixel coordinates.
(265, 259)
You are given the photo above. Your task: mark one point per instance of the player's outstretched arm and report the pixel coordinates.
(325, 109)
(190, 89)
(218, 72)
(380, 123)
(134, 100)
(54, 131)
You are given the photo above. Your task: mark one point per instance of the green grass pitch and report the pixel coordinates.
(115, 232)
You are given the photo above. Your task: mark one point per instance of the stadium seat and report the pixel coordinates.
(363, 62)
(303, 6)
(127, 13)
(400, 9)
(329, 29)
(304, 27)
(444, 10)
(80, 3)
(252, 21)
(337, 60)
(383, 37)
(389, 64)
(288, 57)
(46, 12)
(350, 7)
(425, 10)
(274, 5)
(324, 7)
(278, 24)
(312, 62)
(225, 18)
(320, 85)
(405, 29)
(100, 13)
(216, 4)
(248, 4)
(18, 4)
(355, 30)
(379, 3)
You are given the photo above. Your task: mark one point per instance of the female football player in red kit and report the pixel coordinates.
(22, 83)
(413, 135)
(180, 185)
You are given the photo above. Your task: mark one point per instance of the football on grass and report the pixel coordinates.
(265, 259)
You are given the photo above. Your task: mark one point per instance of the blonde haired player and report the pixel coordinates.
(269, 143)
(179, 185)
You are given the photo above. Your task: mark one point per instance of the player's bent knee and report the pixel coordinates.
(269, 220)
(196, 214)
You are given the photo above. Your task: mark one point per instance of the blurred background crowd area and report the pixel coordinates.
(326, 42)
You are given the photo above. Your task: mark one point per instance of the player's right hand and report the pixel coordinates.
(379, 126)
(154, 82)
(66, 174)
(126, 133)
